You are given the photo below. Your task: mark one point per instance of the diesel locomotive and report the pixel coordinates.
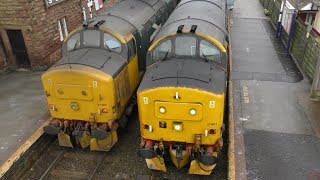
(89, 91)
(182, 96)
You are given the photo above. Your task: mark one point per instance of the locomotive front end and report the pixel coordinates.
(89, 88)
(171, 120)
(181, 99)
(82, 104)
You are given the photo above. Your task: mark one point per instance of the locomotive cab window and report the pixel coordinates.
(209, 51)
(186, 46)
(162, 51)
(74, 42)
(91, 38)
(111, 43)
(131, 49)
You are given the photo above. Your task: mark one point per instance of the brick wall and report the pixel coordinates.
(39, 25)
(46, 40)
(13, 14)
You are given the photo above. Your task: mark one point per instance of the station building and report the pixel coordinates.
(32, 31)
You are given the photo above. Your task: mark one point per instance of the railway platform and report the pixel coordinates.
(23, 113)
(274, 124)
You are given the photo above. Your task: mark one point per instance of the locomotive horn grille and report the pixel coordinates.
(180, 28)
(193, 28)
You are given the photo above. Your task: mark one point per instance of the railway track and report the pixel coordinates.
(74, 165)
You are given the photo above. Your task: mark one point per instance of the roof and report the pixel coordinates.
(128, 16)
(108, 62)
(189, 73)
(209, 16)
(300, 4)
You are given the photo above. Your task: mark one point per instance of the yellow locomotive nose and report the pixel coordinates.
(78, 92)
(81, 102)
(179, 119)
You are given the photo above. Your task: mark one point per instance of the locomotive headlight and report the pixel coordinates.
(192, 112)
(177, 126)
(162, 110)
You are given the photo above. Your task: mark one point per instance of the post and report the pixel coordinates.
(280, 19)
(291, 30)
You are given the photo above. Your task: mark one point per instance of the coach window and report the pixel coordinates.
(209, 51)
(162, 51)
(186, 46)
(131, 49)
(111, 43)
(74, 42)
(91, 38)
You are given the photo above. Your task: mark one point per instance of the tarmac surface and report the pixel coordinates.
(23, 110)
(276, 125)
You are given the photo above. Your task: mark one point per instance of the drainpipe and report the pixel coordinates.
(280, 19)
(294, 15)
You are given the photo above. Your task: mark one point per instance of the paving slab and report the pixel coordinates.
(23, 110)
(276, 125)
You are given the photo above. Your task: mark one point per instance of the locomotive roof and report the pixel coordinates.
(108, 62)
(190, 73)
(208, 15)
(128, 16)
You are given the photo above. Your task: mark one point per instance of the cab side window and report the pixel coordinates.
(131, 49)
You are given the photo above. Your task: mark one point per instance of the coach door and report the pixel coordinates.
(18, 47)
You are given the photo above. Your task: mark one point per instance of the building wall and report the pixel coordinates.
(39, 26)
(13, 15)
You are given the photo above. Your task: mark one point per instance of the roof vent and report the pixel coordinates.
(99, 23)
(85, 24)
(193, 28)
(180, 28)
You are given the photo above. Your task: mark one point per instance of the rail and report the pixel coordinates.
(52, 170)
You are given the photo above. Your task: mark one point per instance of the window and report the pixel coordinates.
(186, 46)
(62, 28)
(111, 43)
(209, 51)
(147, 25)
(158, 13)
(74, 42)
(153, 19)
(131, 49)
(161, 51)
(91, 38)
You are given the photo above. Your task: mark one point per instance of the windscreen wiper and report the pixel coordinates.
(207, 60)
(165, 57)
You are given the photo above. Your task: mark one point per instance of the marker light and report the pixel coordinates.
(105, 110)
(148, 127)
(162, 110)
(193, 112)
(52, 107)
(177, 126)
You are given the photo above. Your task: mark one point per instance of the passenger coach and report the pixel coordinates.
(181, 99)
(89, 89)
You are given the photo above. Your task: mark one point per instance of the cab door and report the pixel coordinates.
(133, 66)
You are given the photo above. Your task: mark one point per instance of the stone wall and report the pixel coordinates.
(39, 25)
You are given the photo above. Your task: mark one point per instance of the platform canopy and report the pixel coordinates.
(303, 5)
